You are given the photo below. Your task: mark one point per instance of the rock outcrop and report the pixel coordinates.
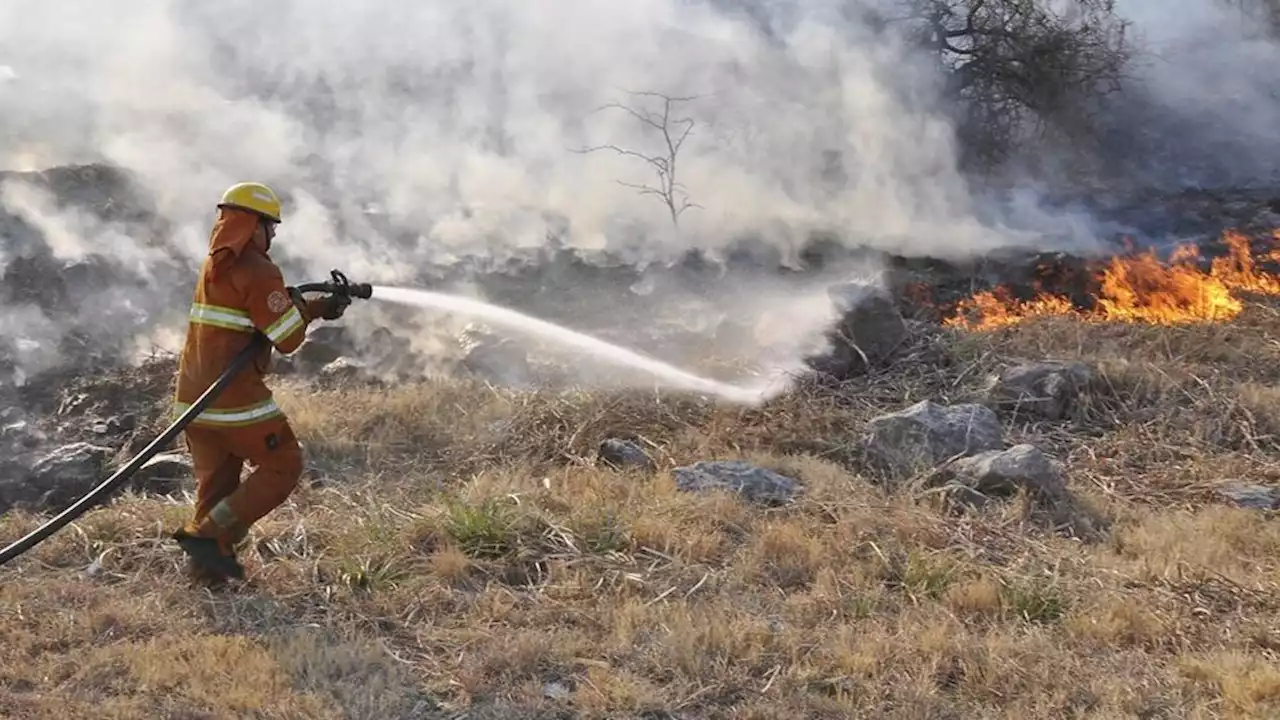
(993, 474)
(1049, 390)
(495, 358)
(59, 478)
(922, 436)
(1256, 497)
(621, 454)
(164, 474)
(751, 482)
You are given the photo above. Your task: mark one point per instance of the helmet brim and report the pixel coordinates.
(259, 213)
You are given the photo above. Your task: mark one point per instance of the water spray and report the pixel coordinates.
(665, 373)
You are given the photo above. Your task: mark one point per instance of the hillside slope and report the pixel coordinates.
(459, 551)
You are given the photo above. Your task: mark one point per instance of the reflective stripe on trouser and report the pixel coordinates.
(233, 417)
(229, 524)
(221, 317)
(227, 507)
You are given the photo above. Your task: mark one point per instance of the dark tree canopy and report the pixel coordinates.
(1017, 69)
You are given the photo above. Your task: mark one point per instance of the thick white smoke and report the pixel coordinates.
(459, 120)
(411, 133)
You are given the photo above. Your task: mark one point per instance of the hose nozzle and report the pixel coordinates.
(338, 284)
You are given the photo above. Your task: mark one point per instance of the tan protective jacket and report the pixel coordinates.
(240, 289)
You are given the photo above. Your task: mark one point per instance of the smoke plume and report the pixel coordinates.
(1203, 103)
(407, 136)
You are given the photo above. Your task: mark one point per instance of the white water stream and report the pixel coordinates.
(594, 348)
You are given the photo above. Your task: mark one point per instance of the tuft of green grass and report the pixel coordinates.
(601, 531)
(489, 529)
(1035, 600)
(920, 575)
(371, 573)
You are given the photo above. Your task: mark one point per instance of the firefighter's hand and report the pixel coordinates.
(332, 307)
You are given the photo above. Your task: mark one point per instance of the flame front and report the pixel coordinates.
(1143, 289)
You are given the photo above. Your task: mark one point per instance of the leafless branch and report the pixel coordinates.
(673, 132)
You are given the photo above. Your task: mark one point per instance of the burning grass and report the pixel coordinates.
(463, 551)
(1140, 287)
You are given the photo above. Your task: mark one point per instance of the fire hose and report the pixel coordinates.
(336, 285)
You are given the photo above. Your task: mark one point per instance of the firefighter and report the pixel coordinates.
(240, 290)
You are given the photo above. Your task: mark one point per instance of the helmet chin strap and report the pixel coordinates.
(268, 234)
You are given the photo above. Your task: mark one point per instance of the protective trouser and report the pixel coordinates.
(226, 507)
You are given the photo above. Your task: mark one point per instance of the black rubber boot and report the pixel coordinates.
(207, 559)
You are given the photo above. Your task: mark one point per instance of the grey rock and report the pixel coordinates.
(343, 370)
(870, 331)
(1049, 390)
(556, 690)
(620, 454)
(1257, 497)
(493, 358)
(283, 365)
(386, 350)
(926, 434)
(163, 474)
(323, 345)
(62, 476)
(751, 482)
(1003, 473)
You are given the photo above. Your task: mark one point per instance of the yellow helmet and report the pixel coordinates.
(255, 197)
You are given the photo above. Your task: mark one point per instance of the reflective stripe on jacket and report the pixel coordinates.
(240, 290)
(233, 417)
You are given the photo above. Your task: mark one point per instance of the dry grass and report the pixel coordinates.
(466, 554)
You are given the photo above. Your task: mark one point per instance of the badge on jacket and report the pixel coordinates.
(277, 301)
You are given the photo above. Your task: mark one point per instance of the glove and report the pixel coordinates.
(331, 307)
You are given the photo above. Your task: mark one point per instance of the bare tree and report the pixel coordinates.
(673, 132)
(1016, 66)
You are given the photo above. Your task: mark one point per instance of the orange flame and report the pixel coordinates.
(1238, 271)
(1143, 289)
(995, 309)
